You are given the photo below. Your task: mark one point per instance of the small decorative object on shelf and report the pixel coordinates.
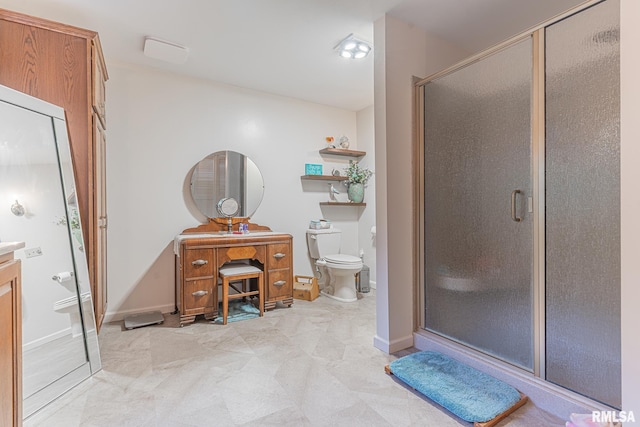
(357, 178)
(312, 169)
(344, 142)
(330, 140)
(335, 172)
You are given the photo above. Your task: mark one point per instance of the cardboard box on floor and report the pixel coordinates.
(306, 288)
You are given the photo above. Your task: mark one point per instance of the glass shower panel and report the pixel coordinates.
(478, 229)
(583, 203)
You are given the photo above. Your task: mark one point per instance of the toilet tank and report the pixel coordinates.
(323, 242)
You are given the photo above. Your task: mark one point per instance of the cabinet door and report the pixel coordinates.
(10, 346)
(99, 92)
(100, 281)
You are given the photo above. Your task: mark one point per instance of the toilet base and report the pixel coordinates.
(343, 288)
(354, 299)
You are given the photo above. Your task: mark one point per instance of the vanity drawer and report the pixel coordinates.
(279, 284)
(198, 263)
(241, 252)
(198, 294)
(278, 256)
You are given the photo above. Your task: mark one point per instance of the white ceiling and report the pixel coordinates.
(284, 47)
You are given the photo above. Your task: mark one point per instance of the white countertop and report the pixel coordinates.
(6, 247)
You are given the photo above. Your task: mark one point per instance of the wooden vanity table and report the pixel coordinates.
(201, 251)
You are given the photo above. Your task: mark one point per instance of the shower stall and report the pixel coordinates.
(520, 202)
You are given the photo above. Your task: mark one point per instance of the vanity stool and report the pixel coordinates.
(240, 272)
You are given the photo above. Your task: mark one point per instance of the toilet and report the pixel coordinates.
(339, 269)
(70, 306)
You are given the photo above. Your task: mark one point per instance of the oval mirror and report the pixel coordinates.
(227, 175)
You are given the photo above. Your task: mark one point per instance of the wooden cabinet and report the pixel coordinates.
(99, 291)
(279, 277)
(199, 257)
(99, 91)
(64, 65)
(10, 342)
(198, 278)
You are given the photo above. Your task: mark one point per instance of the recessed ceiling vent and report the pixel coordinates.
(165, 51)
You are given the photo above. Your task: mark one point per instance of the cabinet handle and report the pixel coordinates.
(200, 262)
(279, 255)
(514, 215)
(200, 293)
(279, 283)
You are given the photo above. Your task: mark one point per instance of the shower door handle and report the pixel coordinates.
(514, 198)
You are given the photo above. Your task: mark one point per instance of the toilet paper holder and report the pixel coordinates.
(63, 277)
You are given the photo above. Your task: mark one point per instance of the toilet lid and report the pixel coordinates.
(342, 259)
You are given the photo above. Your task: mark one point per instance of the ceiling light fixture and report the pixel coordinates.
(165, 51)
(353, 47)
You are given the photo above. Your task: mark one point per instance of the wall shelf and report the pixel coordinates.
(324, 177)
(337, 152)
(343, 152)
(342, 204)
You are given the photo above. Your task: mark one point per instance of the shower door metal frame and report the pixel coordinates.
(537, 34)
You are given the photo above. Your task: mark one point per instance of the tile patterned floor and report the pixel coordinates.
(309, 365)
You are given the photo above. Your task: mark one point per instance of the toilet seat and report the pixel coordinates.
(343, 261)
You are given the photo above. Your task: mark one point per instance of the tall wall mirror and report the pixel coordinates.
(38, 206)
(225, 176)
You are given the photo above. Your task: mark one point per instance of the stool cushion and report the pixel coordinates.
(233, 270)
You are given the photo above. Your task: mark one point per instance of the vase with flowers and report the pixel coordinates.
(357, 178)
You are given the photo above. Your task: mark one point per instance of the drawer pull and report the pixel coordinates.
(279, 283)
(279, 255)
(200, 262)
(200, 293)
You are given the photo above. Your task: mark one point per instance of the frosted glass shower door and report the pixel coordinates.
(583, 203)
(478, 229)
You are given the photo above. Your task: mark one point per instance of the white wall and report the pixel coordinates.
(366, 142)
(38, 188)
(402, 51)
(160, 125)
(630, 202)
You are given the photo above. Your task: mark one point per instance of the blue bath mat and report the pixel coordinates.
(238, 310)
(466, 392)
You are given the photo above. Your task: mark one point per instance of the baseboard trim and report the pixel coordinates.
(118, 316)
(392, 346)
(41, 341)
(545, 395)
